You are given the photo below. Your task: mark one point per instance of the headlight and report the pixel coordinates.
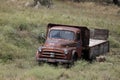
(65, 51)
(40, 49)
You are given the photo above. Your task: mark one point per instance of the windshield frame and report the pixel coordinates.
(62, 38)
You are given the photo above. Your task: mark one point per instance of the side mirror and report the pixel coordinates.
(41, 37)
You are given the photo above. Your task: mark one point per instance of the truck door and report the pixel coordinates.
(79, 44)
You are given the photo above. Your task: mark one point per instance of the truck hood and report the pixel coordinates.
(59, 43)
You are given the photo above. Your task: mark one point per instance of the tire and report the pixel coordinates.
(118, 2)
(74, 58)
(86, 56)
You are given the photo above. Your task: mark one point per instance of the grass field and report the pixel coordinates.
(20, 27)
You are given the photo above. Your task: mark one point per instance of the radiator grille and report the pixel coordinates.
(53, 55)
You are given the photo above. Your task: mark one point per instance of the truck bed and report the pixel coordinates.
(94, 42)
(98, 47)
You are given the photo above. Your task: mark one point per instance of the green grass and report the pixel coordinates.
(20, 27)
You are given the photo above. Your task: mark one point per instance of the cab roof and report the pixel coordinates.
(65, 28)
(50, 25)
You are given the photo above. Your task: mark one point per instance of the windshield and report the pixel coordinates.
(61, 34)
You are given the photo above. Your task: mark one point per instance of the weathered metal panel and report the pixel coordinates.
(106, 47)
(99, 49)
(101, 34)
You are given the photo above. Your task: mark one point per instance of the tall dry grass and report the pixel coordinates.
(21, 26)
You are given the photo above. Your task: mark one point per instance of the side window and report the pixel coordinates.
(78, 36)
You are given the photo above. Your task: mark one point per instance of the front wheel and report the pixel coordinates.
(74, 58)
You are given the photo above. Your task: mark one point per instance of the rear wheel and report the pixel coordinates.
(86, 55)
(116, 2)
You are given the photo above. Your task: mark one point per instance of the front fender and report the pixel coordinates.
(71, 53)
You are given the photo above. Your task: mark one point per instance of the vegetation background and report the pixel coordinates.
(21, 26)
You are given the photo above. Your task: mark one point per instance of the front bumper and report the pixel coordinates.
(53, 60)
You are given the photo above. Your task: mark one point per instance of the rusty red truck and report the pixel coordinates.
(66, 43)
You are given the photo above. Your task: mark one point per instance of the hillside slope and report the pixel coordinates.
(21, 26)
